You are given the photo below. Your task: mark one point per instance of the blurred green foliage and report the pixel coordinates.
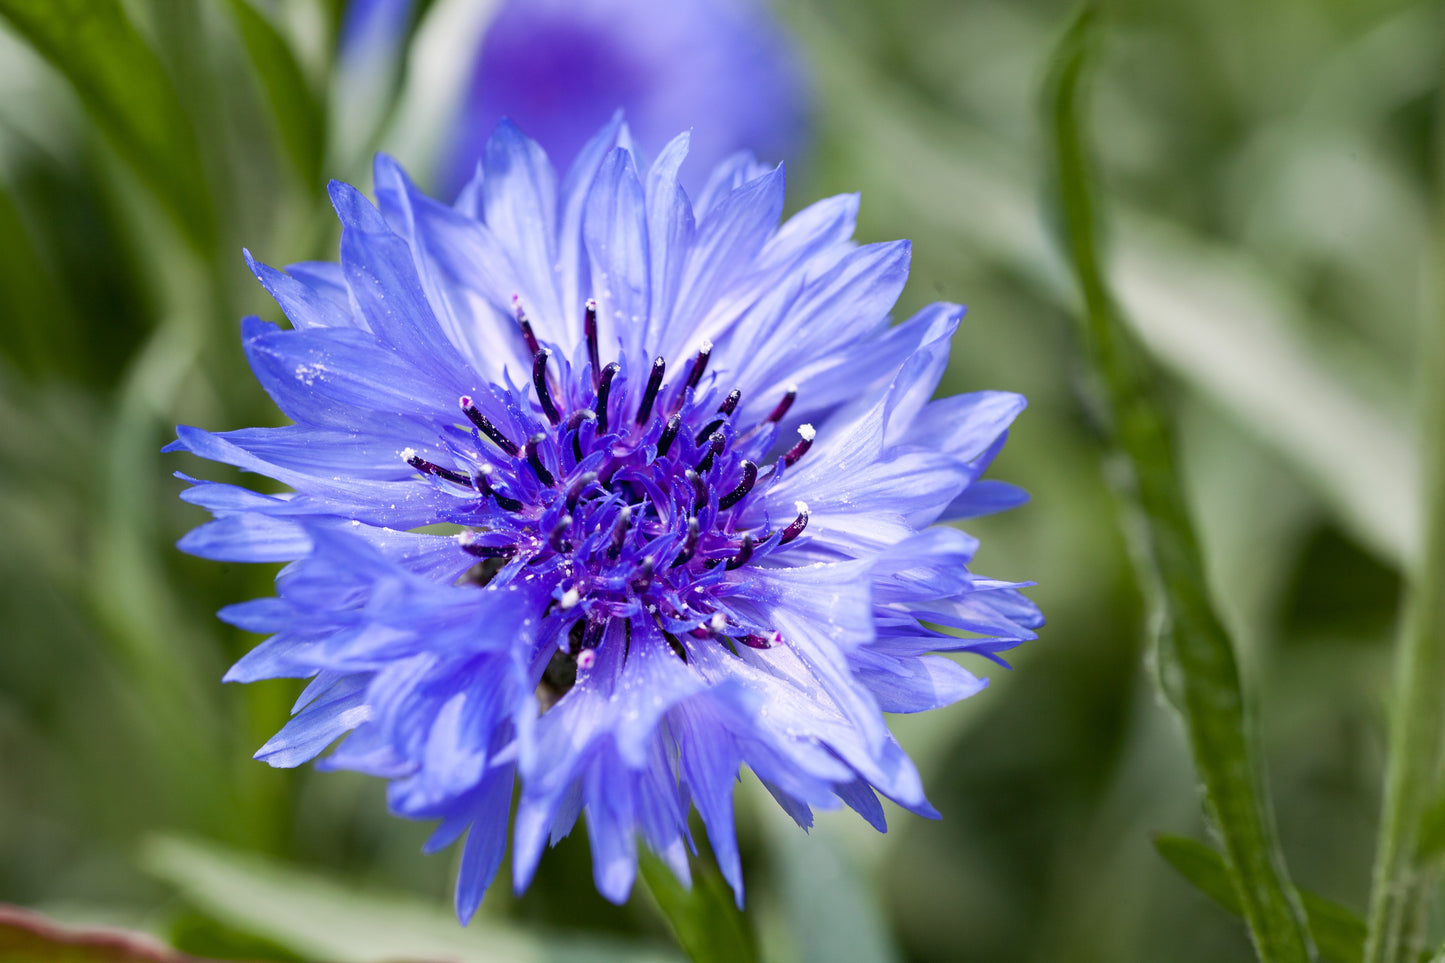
(1270, 171)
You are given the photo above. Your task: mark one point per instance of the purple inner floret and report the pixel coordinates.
(624, 494)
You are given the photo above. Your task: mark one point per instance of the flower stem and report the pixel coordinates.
(1195, 655)
(706, 923)
(1405, 872)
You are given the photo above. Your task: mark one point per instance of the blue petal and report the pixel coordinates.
(306, 305)
(985, 498)
(519, 201)
(727, 239)
(384, 283)
(614, 229)
(321, 723)
(486, 842)
(672, 229)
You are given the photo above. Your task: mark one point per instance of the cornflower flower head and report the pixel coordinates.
(610, 491)
(561, 68)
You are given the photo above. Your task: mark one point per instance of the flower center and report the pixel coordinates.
(622, 490)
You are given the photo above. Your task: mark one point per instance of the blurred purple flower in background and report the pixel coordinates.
(561, 68)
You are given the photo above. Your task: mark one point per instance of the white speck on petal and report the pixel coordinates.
(570, 598)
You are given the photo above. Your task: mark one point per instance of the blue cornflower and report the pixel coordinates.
(608, 491)
(561, 68)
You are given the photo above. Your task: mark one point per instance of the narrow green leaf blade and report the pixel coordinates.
(1339, 933)
(295, 108)
(1195, 655)
(128, 95)
(704, 919)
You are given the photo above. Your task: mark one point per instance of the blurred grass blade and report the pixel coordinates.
(831, 913)
(704, 919)
(1213, 315)
(1196, 656)
(128, 95)
(1406, 868)
(1339, 933)
(321, 920)
(295, 108)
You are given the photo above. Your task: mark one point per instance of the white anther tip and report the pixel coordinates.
(808, 432)
(570, 598)
(407, 454)
(802, 507)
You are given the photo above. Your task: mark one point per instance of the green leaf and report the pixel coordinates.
(128, 95)
(27, 937)
(1339, 933)
(318, 919)
(298, 113)
(1407, 861)
(703, 918)
(1195, 655)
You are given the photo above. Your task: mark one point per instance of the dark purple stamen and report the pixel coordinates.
(484, 485)
(654, 382)
(589, 327)
(539, 378)
(604, 388)
(485, 426)
(524, 324)
(489, 551)
(689, 545)
(784, 405)
(745, 552)
(591, 638)
(669, 434)
(555, 537)
(801, 448)
(714, 448)
(422, 465)
(575, 490)
(699, 365)
(796, 526)
(574, 425)
(725, 409)
(699, 490)
(534, 458)
(712, 426)
(753, 641)
(619, 534)
(643, 581)
(750, 477)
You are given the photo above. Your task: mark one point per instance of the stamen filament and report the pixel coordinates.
(604, 389)
(534, 458)
(801, 448)
(750, 477)
(654, 382)
(484, 485)
(669, 435)
(589, 327)
(539, 378)
(485, 426)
